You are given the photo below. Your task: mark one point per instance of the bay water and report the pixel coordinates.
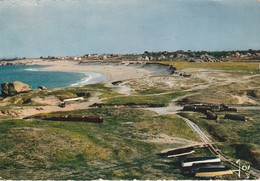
(33, 76)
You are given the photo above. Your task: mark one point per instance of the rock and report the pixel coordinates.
(14, 88)
(83, 94)
(189, 108)
(210, 115)
(235, 117)
(104, 57)
(42, 87)
(171, 69)
(237, 54)
(39, 108)
(116, 83)
(184, 101)
(253, 93)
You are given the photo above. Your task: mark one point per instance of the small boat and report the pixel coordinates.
(190, 161)
(213, 172)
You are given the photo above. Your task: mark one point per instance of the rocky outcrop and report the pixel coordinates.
(14, 88)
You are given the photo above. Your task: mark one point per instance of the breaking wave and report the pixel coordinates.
(32, 69)
(90, 78)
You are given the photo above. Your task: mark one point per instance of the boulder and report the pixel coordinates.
(42, 88)
(14, 88)
(253, 93)
(171, 69)
(189, 108)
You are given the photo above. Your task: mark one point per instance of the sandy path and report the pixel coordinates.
(25, 112)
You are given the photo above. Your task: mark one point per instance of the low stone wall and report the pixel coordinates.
(76, 118)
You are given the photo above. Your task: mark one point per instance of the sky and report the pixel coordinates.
(34, 28)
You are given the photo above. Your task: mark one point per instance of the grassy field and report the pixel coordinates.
(228, 66)
(120, 148)
(162, 99)
(152, 91)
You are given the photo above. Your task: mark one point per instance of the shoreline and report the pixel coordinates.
(106, 73)
(98, 72)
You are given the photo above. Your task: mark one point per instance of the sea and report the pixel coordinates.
(34, 76)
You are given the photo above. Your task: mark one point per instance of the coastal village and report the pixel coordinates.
(180, 55)
(168, 115)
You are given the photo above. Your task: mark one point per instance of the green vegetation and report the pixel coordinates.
(152, 91)
(227, 66)
(120, 148)
(106, 92)
(161, 100)
(246, 151)
(25, 99)
(230, 131)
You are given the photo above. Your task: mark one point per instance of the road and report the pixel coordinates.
(206, 140)
(253, 108)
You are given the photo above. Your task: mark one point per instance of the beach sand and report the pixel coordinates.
(112, 72)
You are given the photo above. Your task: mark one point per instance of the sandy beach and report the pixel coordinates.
(111, 72)
(105, 73)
